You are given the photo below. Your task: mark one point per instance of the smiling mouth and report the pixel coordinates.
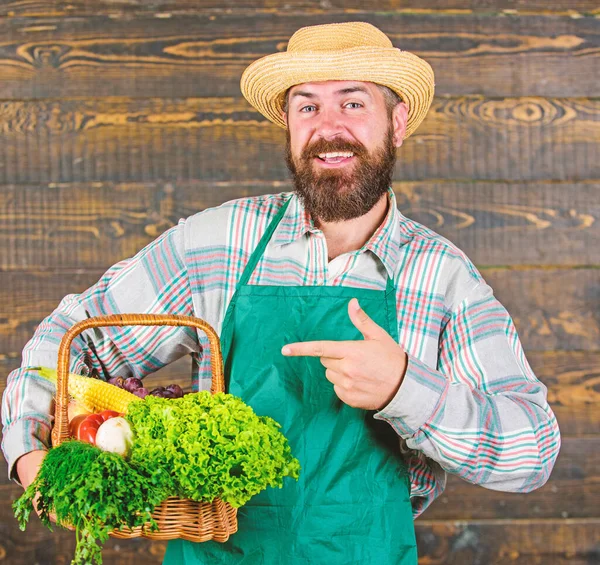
(336, 157)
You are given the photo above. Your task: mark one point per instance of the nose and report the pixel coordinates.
(329, 125)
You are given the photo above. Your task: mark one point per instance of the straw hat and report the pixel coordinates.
(346, 51)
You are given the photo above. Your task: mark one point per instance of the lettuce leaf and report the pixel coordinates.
(211, 445)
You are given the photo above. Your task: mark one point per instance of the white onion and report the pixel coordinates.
(115, 435)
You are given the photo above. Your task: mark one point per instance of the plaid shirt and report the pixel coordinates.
(469, 403)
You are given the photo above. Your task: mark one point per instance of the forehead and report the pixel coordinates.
(334, 87)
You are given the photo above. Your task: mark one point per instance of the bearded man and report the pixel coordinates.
(373, 341)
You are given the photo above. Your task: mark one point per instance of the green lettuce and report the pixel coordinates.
(211, 445)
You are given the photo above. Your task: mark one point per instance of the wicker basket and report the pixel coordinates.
(176, 517)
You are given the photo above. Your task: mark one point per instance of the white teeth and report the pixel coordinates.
(336, 154)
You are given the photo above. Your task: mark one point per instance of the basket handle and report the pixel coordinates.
(60, 431)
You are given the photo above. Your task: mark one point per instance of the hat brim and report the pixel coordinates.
(265, 82)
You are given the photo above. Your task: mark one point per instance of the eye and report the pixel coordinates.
(305, 107)
(356, 104)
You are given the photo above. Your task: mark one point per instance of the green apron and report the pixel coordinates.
(352, 501)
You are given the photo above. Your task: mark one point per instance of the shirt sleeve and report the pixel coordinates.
(481, 413)
(154, 281)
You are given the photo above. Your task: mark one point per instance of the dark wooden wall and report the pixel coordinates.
(117, 117)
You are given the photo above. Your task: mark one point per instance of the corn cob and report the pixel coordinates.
(93, 394)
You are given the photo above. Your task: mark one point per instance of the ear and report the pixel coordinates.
(399, 119)
(285, 118)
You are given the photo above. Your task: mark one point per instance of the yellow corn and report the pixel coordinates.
(93, 394)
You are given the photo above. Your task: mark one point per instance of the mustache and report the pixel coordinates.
(329, 146)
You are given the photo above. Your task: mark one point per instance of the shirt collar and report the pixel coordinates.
(295, 223)
(385, 243)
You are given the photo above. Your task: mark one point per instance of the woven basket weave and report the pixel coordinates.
(176, 517)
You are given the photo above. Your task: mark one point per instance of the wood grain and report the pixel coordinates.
(553, 309)
(205, 54)
(94, 225)
(25, 293)
(504, 542)
(168, 8)
(572, 378)
(223, 139)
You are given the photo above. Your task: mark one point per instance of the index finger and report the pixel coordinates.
(333, 349)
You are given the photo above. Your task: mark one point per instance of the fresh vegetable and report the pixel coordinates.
(95, 491)
(75, 425)
(88, 428)
(171, 391)
(212, 445)
(176, 390)
(94, 394)
(136, 386)
(141, 392)
(198, 446)
(117, 381)
(132, 384)
(115, 435)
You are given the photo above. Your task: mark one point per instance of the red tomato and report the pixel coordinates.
(75, 424)
(89, 428)
(106, 414)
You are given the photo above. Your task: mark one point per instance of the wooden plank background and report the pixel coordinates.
(118, 117)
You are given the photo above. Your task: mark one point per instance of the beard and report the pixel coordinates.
(336, 195)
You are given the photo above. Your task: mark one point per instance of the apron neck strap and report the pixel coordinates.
(390, 296)
(262, 244)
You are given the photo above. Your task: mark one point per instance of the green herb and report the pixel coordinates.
(213, 446)
(94, 491)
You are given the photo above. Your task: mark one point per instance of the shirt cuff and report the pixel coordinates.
(417, 399)
(21, 437)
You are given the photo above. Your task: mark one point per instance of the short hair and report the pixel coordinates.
(392, 99)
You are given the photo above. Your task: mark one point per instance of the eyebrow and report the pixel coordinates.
(347, 90)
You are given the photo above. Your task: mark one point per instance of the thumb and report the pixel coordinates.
(363, 323)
